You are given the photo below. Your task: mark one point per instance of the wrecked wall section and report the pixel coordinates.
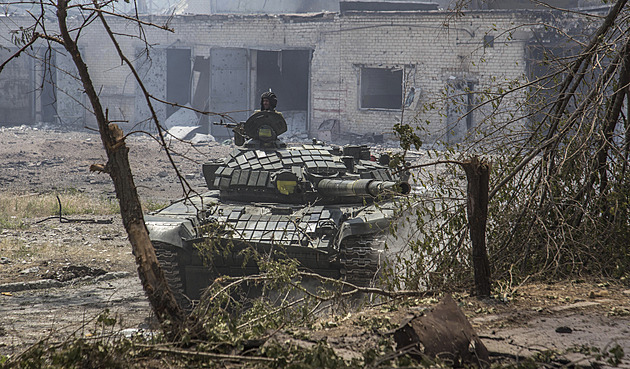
(201, 34)
(14, 88)
(430, 54)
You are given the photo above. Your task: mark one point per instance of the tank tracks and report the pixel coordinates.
(360, 262)
(170, 261)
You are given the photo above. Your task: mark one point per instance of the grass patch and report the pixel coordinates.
(15, 207)
(150, 205)
(15, 249)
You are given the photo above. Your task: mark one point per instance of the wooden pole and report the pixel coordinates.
(478, 175)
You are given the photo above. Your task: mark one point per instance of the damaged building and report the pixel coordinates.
(355, 67)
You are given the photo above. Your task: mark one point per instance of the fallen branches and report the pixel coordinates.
(209, 355)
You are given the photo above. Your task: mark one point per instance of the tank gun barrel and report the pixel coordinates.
(361, 187)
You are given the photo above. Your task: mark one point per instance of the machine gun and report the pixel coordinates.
(239, 131)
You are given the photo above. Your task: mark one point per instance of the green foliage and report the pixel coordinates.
(320, 355)
(561, 207)
(615, 355)
(12, 222)
(233, 310)
(408, 138)
(101, 347)
(77, 353)
(151, 205)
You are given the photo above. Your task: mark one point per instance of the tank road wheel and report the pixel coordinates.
(359, 260)
(170, 260)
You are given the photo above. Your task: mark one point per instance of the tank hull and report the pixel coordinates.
(204, 237)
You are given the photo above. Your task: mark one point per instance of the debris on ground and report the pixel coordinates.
(442, 332)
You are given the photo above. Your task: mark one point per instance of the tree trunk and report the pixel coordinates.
(611, 121)
(478, 175)
(153, 281)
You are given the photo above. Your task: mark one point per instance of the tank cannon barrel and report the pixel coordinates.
(361, 187)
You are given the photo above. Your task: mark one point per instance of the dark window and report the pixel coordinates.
(16, 87)
(488, 41)
(381, 88)
(286, 73)
(177, 78)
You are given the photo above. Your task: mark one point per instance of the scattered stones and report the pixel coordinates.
(73, 271)
(576, 305)
(7, 288)
(5, 260)
(32, 285)
(597, 294)
(30, 270)
(54, 157)
(564, 330)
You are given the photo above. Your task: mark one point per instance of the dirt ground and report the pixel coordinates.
(41, 160)
(89, 266)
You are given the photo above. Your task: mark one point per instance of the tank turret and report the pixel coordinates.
(265, 169)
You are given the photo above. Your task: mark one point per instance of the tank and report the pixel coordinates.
(322, 205)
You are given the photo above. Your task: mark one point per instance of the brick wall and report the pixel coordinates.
(431, 48)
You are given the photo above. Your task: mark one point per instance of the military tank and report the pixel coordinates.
(321, 205)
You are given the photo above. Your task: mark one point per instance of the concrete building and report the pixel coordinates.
(363, 70)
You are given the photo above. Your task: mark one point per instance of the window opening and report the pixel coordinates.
(178, 75)
(488, 41)
(286, 73)
(381, 88)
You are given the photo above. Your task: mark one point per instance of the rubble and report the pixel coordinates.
(183, 117)
(445, 333)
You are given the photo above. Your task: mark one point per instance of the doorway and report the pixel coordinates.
(178, 74)
(286, 73)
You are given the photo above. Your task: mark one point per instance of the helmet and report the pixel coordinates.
(273, 100)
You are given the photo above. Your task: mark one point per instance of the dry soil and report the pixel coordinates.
(92, 268)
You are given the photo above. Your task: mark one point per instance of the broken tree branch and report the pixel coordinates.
(153, 280)
(209, 355)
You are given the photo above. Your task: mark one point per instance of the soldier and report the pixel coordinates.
(268, 101)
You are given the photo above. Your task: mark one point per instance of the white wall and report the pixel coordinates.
(436, 45)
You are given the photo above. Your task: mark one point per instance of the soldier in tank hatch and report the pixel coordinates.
(268, 101)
